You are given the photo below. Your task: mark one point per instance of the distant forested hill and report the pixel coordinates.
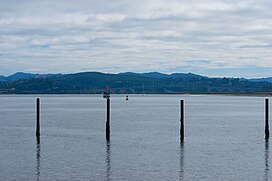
(22, 75)
(154, 82)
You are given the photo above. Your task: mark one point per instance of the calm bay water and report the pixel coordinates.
(224, 138)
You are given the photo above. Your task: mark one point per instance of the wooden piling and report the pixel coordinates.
(182, 120)
(266, 118)
(38, 118)
(108, 120)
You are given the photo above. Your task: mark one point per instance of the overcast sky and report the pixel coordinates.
(209, 37)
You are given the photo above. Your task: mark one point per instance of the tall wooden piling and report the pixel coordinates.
(266, 118)
(108, 120)
(182, 120)
(38, 118)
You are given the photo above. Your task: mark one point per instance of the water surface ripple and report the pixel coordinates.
(224, 138)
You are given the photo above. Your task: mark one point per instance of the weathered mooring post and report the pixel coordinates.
(38, 117)
(108, 120)
(266, 118)
(182, 120)
(106, 95)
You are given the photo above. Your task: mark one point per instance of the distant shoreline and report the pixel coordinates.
(186, 93)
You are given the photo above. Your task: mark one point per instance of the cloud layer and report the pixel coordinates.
(143, 35)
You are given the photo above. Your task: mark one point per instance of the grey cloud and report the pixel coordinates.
(128, 35)
(257, 46)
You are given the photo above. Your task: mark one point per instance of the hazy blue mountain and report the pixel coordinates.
(149, 74)
(2, 78)
(161, 75)
(22, 75)
(128, 73)
(183, 75)
(154, 75)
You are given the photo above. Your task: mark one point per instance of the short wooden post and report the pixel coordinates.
(182, 120)
(108, 120)
(266, 118)
(38, 117)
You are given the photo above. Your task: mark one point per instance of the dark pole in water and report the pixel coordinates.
(266, 118)
(38, 118)
(181, 120)
(108, 120)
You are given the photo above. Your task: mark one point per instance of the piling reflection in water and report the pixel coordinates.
(266, 160)
(108, 161)
(181, 161)
(38, 158)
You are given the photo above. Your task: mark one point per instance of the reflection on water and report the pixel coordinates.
(108, 161)
(266, 160)
(181, 162)
(38, 158)
(80, 127)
